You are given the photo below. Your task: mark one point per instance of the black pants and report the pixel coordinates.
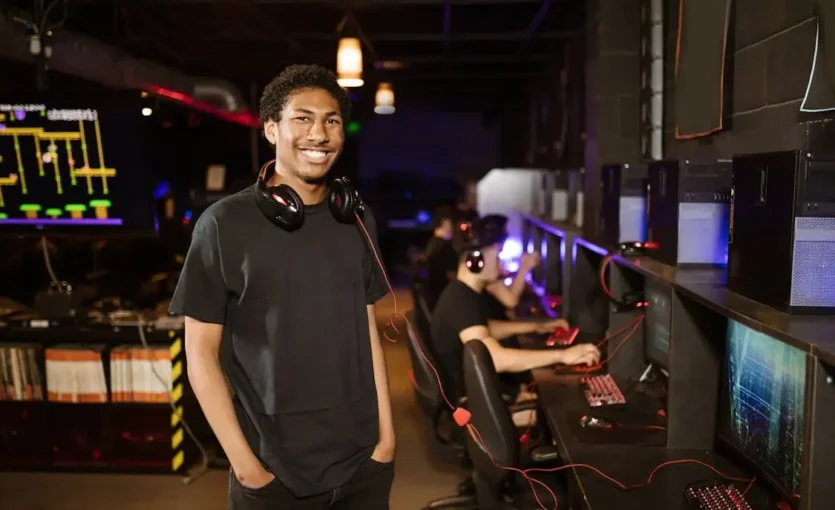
(368, 489)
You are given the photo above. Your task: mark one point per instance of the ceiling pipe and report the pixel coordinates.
(79, 55)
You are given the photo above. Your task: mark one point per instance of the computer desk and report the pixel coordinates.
(561, 401)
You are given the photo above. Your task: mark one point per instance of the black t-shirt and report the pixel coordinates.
(439, 259)
(493, 308)
(296, 346)
(458, 308)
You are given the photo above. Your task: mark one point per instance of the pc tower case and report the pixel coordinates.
(560, 196)
(623, 211)
(688, 212)
(782, 235)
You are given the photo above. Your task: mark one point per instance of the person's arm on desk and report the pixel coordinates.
(520, 360)
(209, 384)
(506, 329)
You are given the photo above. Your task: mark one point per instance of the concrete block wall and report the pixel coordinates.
(770, 52)
(769, 59)
(612, 93)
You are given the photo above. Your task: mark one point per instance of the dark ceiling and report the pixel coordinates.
(429, 49)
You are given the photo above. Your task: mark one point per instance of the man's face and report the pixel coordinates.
(446, 229)
(309, 137)
(492, 265)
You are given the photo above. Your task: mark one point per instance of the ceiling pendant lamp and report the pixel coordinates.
(384, 99)
(349, 62)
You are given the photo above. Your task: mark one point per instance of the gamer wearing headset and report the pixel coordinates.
(278, 291)
(460, 316)
(440, 260)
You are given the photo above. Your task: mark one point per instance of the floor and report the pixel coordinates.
(419, 478)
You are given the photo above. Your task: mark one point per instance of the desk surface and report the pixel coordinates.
(631, 464)
(813, 334)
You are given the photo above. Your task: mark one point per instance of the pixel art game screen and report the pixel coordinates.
(766, 391)
(72, 165)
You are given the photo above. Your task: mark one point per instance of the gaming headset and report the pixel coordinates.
(284, 207)
(474, 236)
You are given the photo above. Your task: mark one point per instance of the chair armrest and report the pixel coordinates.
(544, 454)
(525, 405)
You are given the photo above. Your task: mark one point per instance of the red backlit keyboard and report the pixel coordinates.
(715, 496)
(562, 337)
(602, 390)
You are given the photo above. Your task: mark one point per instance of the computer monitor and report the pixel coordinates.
(763, 402)
(658, 323)
(535, 246)
(74, 164)
(552, 264)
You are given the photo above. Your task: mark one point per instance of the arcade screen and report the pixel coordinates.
(659, 319)
(71, 165)
(764, 398)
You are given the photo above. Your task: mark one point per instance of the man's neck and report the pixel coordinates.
(470, 280)
(311, 193)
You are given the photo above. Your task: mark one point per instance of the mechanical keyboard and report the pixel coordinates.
(602, 390)
(562, 337)
(711, 495)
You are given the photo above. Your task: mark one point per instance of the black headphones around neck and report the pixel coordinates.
(284, 207)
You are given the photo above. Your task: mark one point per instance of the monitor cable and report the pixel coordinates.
(632, 300)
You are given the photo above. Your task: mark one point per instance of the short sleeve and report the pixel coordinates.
(376, 286)
(201, 292)
(468, 313)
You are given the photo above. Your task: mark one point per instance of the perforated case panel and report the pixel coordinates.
(813, 267)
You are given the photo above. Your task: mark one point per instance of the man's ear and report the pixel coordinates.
(270, 131)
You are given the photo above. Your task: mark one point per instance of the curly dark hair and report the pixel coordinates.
(297, 77)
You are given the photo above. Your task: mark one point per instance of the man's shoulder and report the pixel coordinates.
(454, 299)
(226, 212)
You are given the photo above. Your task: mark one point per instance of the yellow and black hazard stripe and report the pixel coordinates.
(178, 455)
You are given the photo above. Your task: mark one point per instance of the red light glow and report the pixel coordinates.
(244, 118)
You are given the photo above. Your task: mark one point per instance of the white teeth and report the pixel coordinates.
(314, 154)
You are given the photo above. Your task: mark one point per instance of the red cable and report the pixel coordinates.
(603, 265)
(462, 416)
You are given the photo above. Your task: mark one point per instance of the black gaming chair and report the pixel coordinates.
(428, 395)
(496, 488)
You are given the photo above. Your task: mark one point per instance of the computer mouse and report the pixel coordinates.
(595, 422)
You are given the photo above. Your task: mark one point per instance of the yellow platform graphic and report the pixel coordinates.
(52, 149)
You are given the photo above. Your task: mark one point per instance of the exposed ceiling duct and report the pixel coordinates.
(82, 56)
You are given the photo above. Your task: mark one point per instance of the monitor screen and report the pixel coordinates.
(540, 247)
(764, 400)
(553, 265)
(74, 164)
(658, 322)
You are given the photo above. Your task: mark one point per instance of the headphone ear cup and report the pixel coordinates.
(474, 261)
(281, 205)
(343, 201)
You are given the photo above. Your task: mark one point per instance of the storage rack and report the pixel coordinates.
(117, 436)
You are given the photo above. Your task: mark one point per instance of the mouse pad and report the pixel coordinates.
(629, 428)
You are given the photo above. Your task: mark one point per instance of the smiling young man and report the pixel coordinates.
(287, 318)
